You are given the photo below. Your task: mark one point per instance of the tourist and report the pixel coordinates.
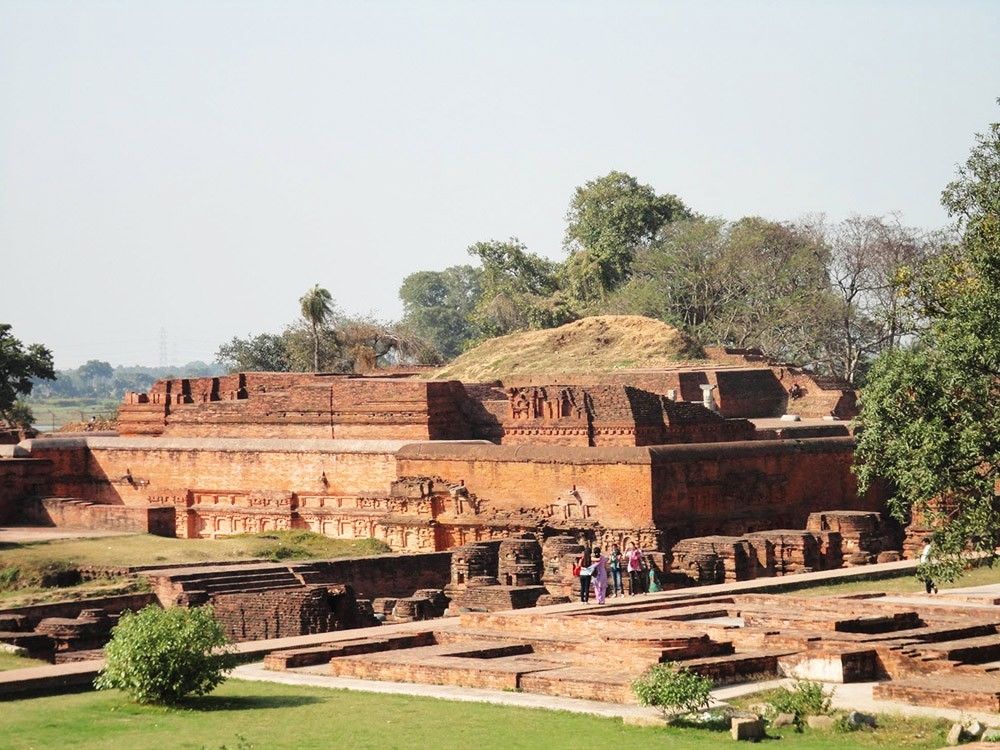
(600, 578)
(795, 391)
(615, 564)
(924, 569)
(654, 577)
(633, 563)
(586, 565)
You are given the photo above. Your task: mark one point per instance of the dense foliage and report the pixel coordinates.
(161, 656)
(673, 689)
(930, 413)
(830, 297)
(804, 698)
(19, 367)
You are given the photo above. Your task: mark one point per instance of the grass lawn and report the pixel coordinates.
(242, 715)
(24, 565)
(906, 583)
(10, 661)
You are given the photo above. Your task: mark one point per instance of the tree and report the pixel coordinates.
(18, 366)
(609, 218)
(369, 344)
(160, 656)
(96, 373)
(749, 283)
(438, 305)
(266, 352)
(317, 309)
(930, 413)
(520, 290)
(873, 264)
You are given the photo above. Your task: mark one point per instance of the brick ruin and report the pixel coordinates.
(650, 456)
(936, 651)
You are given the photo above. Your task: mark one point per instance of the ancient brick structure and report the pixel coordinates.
(651, 457)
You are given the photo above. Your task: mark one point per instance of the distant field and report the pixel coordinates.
(53, 413)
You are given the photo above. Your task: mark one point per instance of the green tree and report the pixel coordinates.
(930, 414)
(161, 656)
(609, 218)
(438, 305)
(19, 366)
(317, 309)
(748, 283)
(97, 375)
(520, 290)
(266, 352)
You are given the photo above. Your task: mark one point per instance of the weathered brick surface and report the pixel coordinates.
(284, 613)
(20, 478)
(84, 514)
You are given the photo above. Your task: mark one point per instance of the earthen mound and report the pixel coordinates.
(604, 343)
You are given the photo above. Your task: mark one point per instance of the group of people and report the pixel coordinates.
(595, 568)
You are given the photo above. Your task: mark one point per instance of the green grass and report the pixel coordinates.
(33, 561)
(9, 661)
(242, 715)
(905, 583)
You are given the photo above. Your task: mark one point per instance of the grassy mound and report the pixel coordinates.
(592, 345)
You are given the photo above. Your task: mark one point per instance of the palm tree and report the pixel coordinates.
(317, 307)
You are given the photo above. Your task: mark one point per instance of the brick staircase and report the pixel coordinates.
(196, 585)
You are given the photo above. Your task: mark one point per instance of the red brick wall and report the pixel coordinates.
(81, 514)
(166, 468)
(736, 488)
(19, 478)
(613, 484)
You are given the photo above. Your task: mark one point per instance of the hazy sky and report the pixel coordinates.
(173, 174)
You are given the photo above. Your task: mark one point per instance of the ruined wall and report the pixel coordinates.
(612, 484)
(83, 514)
(19, 478)
(299, 406)
(136, 471)
(736, 488)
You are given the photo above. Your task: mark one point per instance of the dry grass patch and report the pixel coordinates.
(592, 345)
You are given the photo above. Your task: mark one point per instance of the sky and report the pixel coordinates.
(174, 174)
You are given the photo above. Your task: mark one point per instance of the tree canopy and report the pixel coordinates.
(439, 305)
(609, 218)
(930, 416)
(19, 365)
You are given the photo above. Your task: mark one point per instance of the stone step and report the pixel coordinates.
(966, 693)
(312, 655)
(737, 667)
(966, 650)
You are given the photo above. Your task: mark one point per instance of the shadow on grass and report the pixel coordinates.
(246, 703)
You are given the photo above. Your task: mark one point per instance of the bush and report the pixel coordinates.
(805, 698)
(674, 690)
(160, 656)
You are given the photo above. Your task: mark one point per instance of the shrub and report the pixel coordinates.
(805, 698)
(674, 690)
(160, 656)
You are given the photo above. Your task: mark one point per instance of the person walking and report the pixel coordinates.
(615, 564)
(586, 564)
(600, 577)
(633, 563)
(924, 569)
